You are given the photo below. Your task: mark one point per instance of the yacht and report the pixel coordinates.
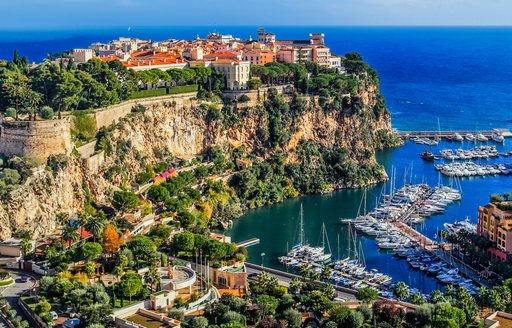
(457, 137)
(481, 137)
(427, 156)
(470, 137)
(496, 137)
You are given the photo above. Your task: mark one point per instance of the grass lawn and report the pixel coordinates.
(126, 303)
(30, 301)
(163, 91)
(6, 282)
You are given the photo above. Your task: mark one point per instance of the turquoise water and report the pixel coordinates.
(277, 225)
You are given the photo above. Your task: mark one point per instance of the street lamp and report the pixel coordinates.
(262, 257)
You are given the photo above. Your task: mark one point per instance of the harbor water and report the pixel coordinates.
(277, 226)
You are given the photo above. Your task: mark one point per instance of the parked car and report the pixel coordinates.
(54, 315)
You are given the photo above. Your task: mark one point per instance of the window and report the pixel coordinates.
(222, 281)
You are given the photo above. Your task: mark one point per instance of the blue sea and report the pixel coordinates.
(461, 75)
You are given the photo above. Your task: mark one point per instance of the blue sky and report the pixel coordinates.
(98, 13)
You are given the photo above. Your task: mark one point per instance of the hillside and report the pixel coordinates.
(312, 143)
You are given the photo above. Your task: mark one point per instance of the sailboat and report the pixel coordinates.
(303, 253)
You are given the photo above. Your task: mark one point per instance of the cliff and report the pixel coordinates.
(360, 124)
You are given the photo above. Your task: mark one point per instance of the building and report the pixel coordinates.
(259, 57)
(222, 55)
(495, 224)
(11, 251)
(266, 38)
(335, 62)
(498, 319)
(145, 319)
(321, 55)
(237, 72)
(230, 278)
(81, 56)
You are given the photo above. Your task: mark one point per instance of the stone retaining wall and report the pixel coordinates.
(35, 139)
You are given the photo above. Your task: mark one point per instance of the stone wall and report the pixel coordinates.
(112, 114)
(35, 139)
(40, 139)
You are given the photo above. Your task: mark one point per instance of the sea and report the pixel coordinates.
(448, 78)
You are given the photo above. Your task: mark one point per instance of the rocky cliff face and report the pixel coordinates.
(165, 128)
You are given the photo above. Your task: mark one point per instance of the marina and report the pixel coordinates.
(457, 136)
(276, 225)
(470, 169)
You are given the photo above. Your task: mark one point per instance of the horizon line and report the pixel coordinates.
(61, 27)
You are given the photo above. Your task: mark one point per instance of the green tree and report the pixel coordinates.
(152, 278)
(267, 305)
(43, 307)
(91, 250)
(70, 233)
(367, 295)
(401, 291)
(199, 322)
(317, 302)
(131, 284)
(418, 298)
(95, 225)
(26, 246)
(183, 242)
(436, 296)
(125, 201)
(144, 251)
(293, 318)
(16, 88)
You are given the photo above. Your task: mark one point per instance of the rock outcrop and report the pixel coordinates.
(181, 129)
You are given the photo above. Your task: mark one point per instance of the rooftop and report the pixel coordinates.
(146, 321)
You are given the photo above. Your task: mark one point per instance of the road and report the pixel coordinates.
(285, 278)
(13, 292)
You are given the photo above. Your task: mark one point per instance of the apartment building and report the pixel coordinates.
(495, 224)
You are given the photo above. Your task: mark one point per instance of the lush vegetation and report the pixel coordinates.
(48, 87)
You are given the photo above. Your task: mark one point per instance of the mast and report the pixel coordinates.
(349, 232)
(339, 246)
(301, 227)
(364, 210)
(362, 254)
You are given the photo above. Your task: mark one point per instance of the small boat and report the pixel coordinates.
(470, 137)
(427, 156)
(481, 137)
(457, 137)
(496, 137)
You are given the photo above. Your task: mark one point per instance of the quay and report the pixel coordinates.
(445, 134)
(422, 240)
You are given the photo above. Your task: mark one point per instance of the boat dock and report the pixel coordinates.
(445, 134)
(415, 236)
(248, 242)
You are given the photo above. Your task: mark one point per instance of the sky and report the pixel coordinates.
(44, 14)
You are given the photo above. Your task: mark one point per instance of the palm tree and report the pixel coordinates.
(95, 225)
(25, 246)
(152, 277)
(401, 291)
(326, 273)
(70, 233)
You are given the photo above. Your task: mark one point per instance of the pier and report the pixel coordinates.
(249, 242)
(415, 235)
(445, 134)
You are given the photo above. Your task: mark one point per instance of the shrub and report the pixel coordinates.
(46, 112)
(84, 126)
(138, 108)
(10, 112)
